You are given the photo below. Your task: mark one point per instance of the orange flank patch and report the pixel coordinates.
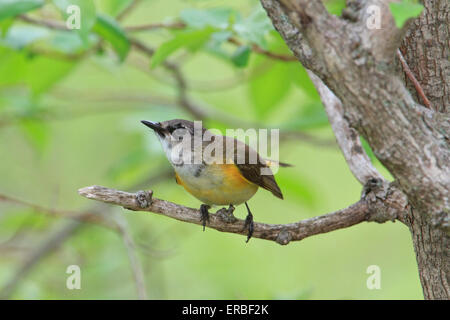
(177, 178)
(220, 184)
(235, 179)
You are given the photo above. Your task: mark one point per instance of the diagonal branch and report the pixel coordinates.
(383, 206)
(183, 98)
(128, 10)
(43, 249)
(346, 137)
(413, 79)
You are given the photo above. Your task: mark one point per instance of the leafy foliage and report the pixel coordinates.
(190, 39)
(109, 30)
(218, 18)
(12, 8)
(241, 56)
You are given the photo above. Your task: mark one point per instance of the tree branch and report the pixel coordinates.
(378, 204)
(413, 79)
(44, 249)
(346, 137)
(178, 76)
(128, 10)
(135, 264)
(58, 25)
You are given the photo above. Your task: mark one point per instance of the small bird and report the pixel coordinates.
(225, 182)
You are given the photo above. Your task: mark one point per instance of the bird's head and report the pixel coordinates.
(172, 134)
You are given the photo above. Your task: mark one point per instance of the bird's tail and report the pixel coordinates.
(270, 163)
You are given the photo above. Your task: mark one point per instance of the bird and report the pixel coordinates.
(226, 179)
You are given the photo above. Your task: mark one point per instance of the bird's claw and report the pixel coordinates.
(144, 198)
(249, 226)
(204, 214)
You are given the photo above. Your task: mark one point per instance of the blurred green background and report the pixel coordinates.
(70, 105)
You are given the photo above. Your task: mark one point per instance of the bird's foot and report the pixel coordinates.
(248, 224)
(204, 214)
(226, 215)
(143, 199)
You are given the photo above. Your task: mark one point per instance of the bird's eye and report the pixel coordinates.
(175, 127)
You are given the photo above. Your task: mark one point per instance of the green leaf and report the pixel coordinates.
(241, 56)
(5, 24)
(405, 10)
(38, 73)
(200, 19)
(268, 89)
(192, 40)
(88, 16)
(13, 66)
(214, 45)
(69, 42)
(19, 37)
(12, 8)
(220, 37)
(254, 28)
(109, 30)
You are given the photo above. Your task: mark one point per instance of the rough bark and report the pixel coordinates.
(412, 142)
(426, 49)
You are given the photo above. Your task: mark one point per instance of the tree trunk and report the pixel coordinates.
(426, 50)
(357, 64)
(431, 245)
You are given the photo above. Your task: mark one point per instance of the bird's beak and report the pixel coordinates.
(155, 126)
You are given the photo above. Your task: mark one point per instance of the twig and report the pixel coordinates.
(56, 239)
(135, 264)
(53, 242)
(183, 98)
(289, 135)
(413, 79)
(221, 221)
(259, 50)
(346, 137)
(57, 25)
(128, 10)
(179, 25)
(153, 26)
(89, 217)
(50, 24)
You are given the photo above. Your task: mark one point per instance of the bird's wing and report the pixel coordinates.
(252, 172)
